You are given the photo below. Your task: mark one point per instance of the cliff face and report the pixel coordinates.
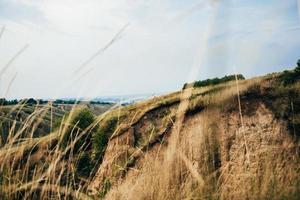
(231, 141)
(259, 158)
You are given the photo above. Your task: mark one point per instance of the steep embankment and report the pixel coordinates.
(230, 141)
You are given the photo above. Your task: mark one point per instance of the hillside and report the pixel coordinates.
(37, 120)
(232, 140)
(208, 143)
(21, 117)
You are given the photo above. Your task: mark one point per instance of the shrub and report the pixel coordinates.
(101, 137)
(289, 77)
(82, 120)
(84, 165)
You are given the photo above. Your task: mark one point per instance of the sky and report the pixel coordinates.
(92, 48)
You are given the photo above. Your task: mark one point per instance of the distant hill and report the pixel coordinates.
(40, 119)
(124, 99)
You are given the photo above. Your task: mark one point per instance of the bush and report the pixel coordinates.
(81, 121)
(84, 165)
(290, 77)
(101, 137)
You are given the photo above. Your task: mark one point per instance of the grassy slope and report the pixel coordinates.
(281, 99)
(55, 176)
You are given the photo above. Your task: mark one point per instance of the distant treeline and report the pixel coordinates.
(214, 81)
(32, 101)
(29, 101)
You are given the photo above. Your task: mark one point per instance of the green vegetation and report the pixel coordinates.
(90, 139)
(84, 165)
(101, 137)
(32, 101)
(80, 130)
(214, 81)
(5, 102)
(79, 133)
(105, 188)
(289, 77)
(29, 101)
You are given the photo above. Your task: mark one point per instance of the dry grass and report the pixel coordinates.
(204, 158)
(34, 168)
(214, 150)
